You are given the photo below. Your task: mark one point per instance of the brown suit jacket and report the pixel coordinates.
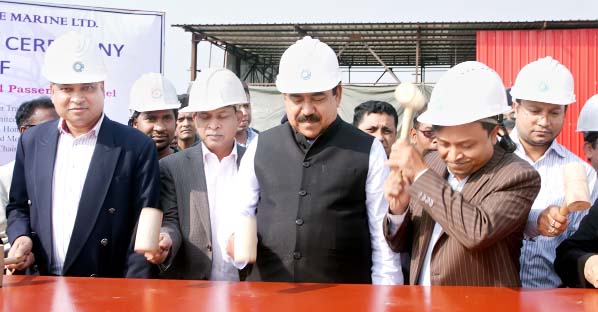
(482, 225)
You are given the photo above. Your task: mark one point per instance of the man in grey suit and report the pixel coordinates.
(196, 182)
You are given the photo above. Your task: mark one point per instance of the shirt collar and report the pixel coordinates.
(63, 128)
(250, 133)
(205, 151)
(554, 147)
(455, 184)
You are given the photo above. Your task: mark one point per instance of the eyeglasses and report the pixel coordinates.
(429, 134)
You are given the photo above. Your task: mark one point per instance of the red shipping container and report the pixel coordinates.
(508, 51)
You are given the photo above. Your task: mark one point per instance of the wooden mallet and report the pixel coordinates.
(412, 100)
(577, 191)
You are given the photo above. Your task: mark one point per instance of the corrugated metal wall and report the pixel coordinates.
(508, 51)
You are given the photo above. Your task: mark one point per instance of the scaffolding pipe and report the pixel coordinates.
(417, 57)
(388, 69)
(195, 39)
(340, 52)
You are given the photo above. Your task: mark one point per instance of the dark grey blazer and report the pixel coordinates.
(184, 200)
(121, 180)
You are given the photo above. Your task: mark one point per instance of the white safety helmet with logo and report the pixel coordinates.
(588, 117)
(544, 80)
(73, 58)
(215, 88)
(468, 92)
(152, 92)
(308, 66)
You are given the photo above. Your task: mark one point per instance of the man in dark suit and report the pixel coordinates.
(196, 183)
(29, 114)
(576, 260)
(80, 182)
(462, 210)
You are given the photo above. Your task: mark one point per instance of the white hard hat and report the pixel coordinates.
(588, 117)
(308, 66)
(468, 92)
(545, 80)
(215, 88)
(73, 58)
(152, 92)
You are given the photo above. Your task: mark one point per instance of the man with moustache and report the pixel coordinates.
(378, 119)
(154, 103)
(186, 132)
(314, 184)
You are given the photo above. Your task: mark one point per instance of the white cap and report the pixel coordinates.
(152, 92)
(588, 117)
(215, 88)
(73, 58)
(545, 80)
(307, 66)
(468, 92)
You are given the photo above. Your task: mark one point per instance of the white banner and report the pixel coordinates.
(132, 43)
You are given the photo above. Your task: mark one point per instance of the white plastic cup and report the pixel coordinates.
(246, 240)
(148, 230)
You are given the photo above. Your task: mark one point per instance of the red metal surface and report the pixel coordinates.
(508, 51)
(21, 293)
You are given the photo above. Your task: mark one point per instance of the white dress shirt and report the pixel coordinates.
(538, 252)
(397, 220)
(73, 156)
(220, 176)
(386, 268)
(424, 276)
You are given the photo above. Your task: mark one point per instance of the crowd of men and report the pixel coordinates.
(464, 200)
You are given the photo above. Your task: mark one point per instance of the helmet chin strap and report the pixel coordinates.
(505, 140)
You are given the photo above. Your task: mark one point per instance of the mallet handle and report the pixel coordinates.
(564, 210)
(406, 124)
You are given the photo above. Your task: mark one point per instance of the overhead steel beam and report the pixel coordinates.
(382, 63)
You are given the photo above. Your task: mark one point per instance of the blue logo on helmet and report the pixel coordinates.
(306, 74)
(543, 86)
(156, 93)
(78, 67)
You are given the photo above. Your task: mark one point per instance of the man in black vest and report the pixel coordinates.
(315, 184)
